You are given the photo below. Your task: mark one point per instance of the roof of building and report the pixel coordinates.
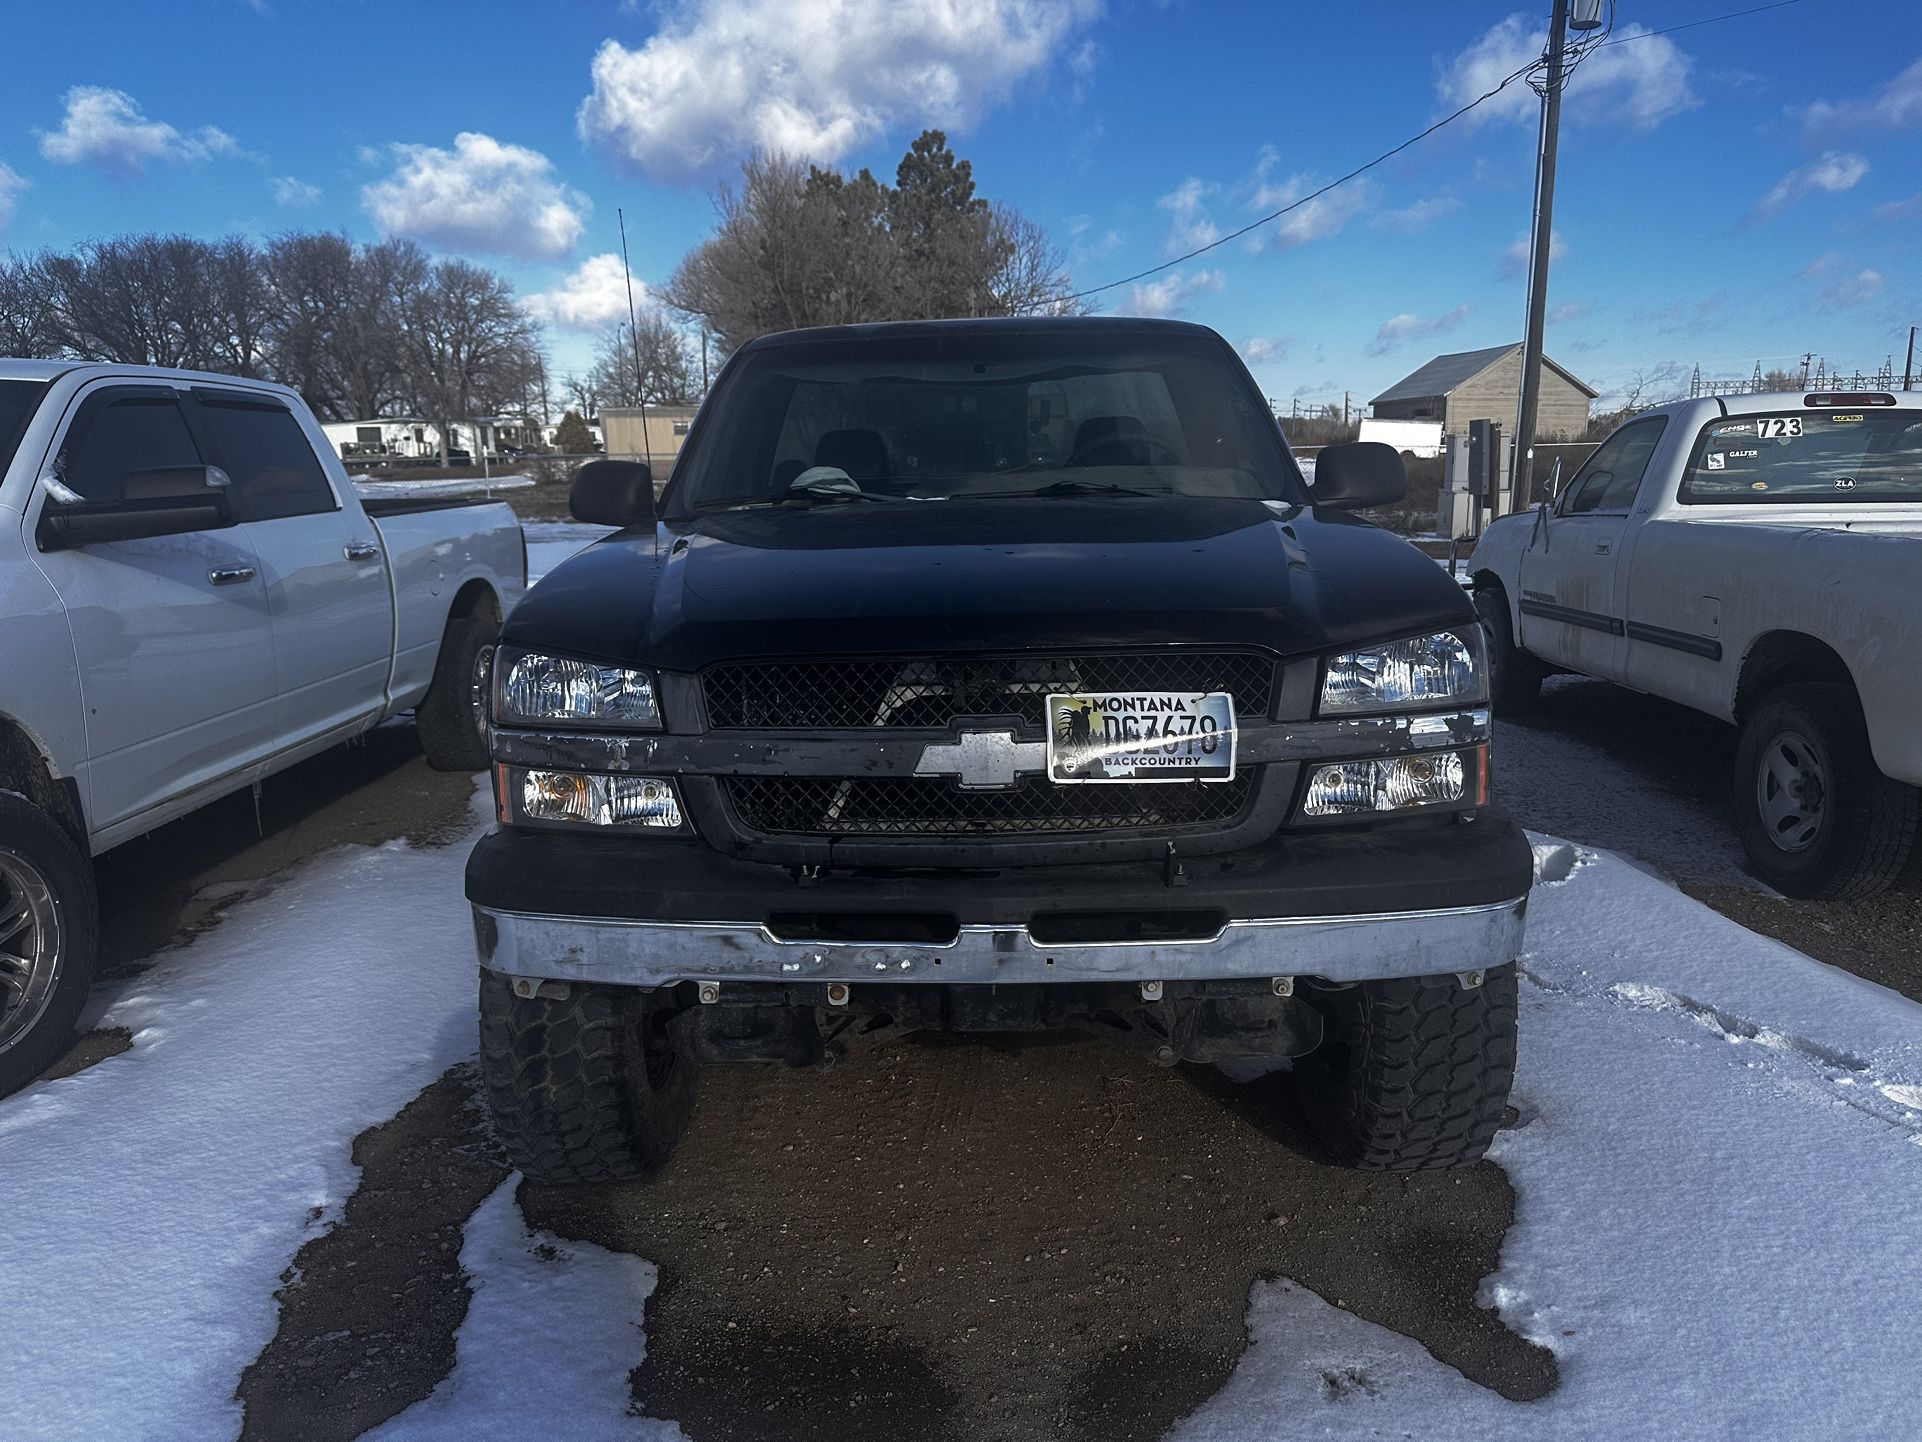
(1446, 372)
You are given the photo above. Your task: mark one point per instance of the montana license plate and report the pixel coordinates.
(1141, 736)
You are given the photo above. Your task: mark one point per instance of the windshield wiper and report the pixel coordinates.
(1064, 488)
(829, 491)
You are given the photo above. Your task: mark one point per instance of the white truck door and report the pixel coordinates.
(171, 632)
(325, 575)
(1570, 612)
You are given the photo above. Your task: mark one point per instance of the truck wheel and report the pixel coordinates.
(583, 1088)
(1412, 1074)
(48, 926)
(1514, 676)
(452, 716)
(1815, 814)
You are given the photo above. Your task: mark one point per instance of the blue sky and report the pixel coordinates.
(1745, 190)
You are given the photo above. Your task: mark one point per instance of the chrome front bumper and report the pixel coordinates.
(1336, 948)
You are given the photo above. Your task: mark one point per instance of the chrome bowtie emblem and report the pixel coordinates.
(983, 760)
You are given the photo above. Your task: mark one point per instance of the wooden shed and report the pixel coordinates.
(1486, 385)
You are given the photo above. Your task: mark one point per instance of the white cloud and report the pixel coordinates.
(294, 194)
(1896, 106)
(813, 78)
(1842, 288)
(1259, 348)
(11, 184)
(1567, 311)
(105, 128)
(1398, 330)
(1413, 219)
(1189, 227)
(1638, 85)
(592, 298)
(1172, 294)
(1833, 171)
(1317, 219)
(1515, 259)
(482, 196)
(1908, 209)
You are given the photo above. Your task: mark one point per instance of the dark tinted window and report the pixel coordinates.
(263, 449)
(954, 416)
(115, 437)
(1614, 473)
(1810, 457)
(18, 399)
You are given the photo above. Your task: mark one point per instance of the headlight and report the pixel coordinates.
(531, 687)
(588, 798)
(1437, 670)
(1399, 783)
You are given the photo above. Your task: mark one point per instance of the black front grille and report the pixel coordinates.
(936, 806)
(936, 692)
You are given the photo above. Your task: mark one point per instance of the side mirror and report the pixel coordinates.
(164, 501)
(613, 493)
(1359, 474)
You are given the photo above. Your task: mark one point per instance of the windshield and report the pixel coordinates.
(18, 400)
(1808, 457)
(934, 417)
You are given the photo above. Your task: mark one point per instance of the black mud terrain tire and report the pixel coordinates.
(1412, 1074)
(1816, 815)
(583, 1087)
(49, 928)
(1514, 676)
(452, 716)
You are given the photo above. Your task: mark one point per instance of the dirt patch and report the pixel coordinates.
(1048, 1241)
(369, 1309)
(172, 884)
(90, 1050)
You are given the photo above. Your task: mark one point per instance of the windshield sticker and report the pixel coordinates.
(1748, 455)
(1758, 485)
(1845, 483)
(1733, 428)
(1779, 426)
(1716, 460)
(1854, 420)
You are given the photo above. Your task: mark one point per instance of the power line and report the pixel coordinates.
(1359, 170)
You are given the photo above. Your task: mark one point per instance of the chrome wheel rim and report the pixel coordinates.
(477, 688)
(1792, 791)
(29, 946)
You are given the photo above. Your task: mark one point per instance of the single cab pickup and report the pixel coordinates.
(994, 676)
(1759, 558)
(192, 597)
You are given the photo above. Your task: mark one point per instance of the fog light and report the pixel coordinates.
(1398, 783)
(599, 800)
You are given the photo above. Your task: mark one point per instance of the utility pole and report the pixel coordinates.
(1908, 366)
(1807, 361)
(1538, 257)
(1344, 410)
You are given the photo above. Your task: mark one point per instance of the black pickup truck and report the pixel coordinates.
(985, 676)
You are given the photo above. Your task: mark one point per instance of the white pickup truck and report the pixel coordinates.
(1759, 558)
(192, 598)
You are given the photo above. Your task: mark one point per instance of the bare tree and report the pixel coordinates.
(469, 346)
(666, 370)
(27, 325)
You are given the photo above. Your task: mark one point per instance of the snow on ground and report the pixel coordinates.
(1719, 1187)
(553, 1331)
(150, 1203)
(551, 542)
(1718, 1171)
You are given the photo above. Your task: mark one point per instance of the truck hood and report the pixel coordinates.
(980, 575)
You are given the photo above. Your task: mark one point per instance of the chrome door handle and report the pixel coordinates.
(1603, 548)
(231, 575)
(361, 550)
